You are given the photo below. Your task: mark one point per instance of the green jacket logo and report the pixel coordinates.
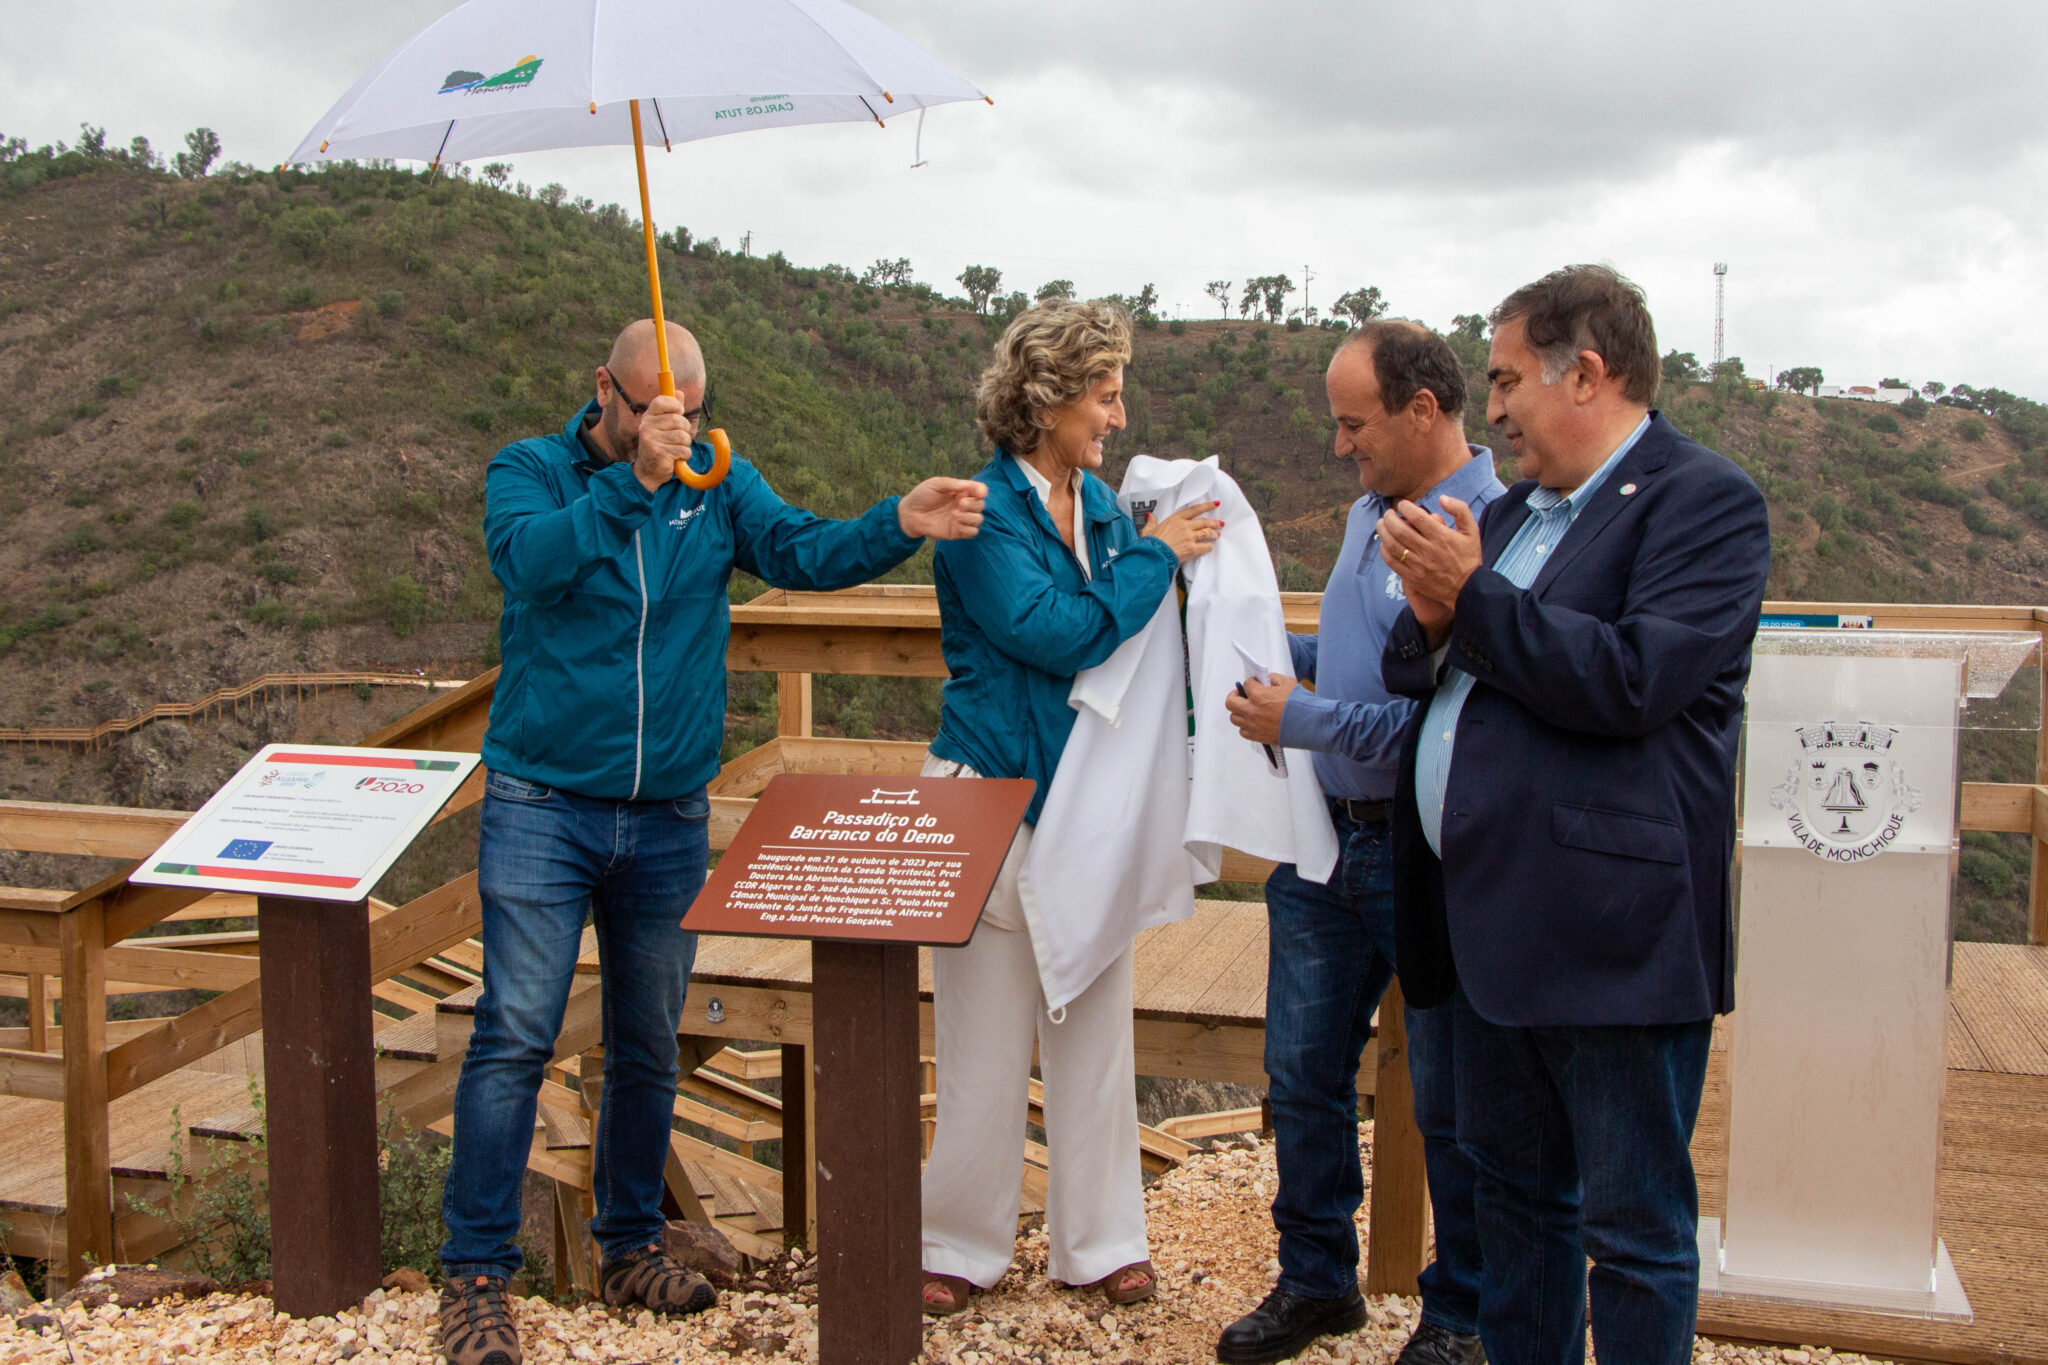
(477, 83)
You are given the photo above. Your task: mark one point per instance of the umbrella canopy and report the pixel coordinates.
(500, 77)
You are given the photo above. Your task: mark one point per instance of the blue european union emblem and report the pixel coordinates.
(248, 850)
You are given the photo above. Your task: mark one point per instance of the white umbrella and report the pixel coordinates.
(499, 77)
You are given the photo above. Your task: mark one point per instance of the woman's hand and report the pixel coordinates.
(1191, 532)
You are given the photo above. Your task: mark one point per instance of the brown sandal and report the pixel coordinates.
(1113, 1288)
(952, 1292)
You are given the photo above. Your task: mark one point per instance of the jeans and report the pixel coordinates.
(1581, 1138)
(548, 860)
(1329, 958)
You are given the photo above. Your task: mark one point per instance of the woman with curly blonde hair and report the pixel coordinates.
(1057, 579)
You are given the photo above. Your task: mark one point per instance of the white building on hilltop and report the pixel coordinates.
(1866, 393)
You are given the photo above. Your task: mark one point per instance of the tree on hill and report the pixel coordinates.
(1219, 290)
(1469, 326)
(1682, 367)
(202, 145)
(1801, 379)
(896, 272)
(1361, 305)
(1267, 293)
(980, 282)
(1055, 290)
(1933, 388)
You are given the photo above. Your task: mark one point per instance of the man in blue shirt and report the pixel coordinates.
(1397, 393)
(1566, 818)
(606, 724)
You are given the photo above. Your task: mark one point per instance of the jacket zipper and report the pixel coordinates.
(639, 671)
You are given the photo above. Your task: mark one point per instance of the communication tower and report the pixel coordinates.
(1720, 284)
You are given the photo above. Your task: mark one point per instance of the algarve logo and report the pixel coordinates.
(1845, 796)
(477, 83)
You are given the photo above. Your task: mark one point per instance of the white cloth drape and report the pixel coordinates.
(1142, 804)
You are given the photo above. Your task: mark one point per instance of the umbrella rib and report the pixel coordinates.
(871, 111)
(660, 123)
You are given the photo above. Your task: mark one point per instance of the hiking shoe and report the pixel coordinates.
(476, 1326)
(653, 1278)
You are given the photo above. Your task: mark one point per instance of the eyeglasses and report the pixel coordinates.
(699, 415)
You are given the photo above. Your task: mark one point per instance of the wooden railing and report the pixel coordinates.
(81, 937)
(213, 703)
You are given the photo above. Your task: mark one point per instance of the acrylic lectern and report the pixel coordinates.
(1854, 750)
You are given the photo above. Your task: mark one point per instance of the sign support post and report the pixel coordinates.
(310, 829)
(320, 1103)
(864, 1026)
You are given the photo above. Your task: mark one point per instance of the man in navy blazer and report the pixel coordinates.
(1565, 820)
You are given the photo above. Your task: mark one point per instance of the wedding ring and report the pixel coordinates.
(1404, 556)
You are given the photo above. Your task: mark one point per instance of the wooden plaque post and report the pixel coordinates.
(864, 1031)
(321, 1103)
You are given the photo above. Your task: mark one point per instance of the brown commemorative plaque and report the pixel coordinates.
(864, 859)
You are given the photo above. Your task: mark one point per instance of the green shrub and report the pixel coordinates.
(1884, 422)
(483, 419)
(183, 515)
(186, 442)
(390, 303)
(1931, 487)
(277, 571)
(1973, 429)
(1915, 407)
(301, 296)
(268, 611)
(1826, 511)
(402, 603)
(257, 525)
(219, 1212)
(1177, 327)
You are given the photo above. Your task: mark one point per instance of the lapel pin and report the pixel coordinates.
(1627, 489)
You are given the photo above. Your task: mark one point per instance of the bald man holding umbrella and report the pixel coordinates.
(605, 727)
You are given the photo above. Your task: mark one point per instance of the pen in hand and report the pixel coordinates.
(1271, 757)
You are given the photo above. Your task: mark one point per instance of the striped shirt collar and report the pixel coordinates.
(1544, 499)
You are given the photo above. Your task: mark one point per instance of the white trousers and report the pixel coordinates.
(989, 1006)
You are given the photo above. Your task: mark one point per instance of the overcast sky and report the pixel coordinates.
(1873, 173)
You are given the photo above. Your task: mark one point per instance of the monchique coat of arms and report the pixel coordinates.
(1845, 797)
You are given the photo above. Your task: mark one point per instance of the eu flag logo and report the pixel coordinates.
(248, 850)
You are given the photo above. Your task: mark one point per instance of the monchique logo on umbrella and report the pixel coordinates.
(1845, 796)
(477, 83)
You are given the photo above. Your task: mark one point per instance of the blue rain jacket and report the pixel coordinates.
(615, 622)
(1018, 620)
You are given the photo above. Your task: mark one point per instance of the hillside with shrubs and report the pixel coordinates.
(245, 417)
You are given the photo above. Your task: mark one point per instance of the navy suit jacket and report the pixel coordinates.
(1589, 816)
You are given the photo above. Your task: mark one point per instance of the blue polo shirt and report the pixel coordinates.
(1351, 723)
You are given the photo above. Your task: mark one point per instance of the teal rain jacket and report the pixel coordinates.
(615, 621)
(1018, 620)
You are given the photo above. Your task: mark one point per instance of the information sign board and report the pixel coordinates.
(308, 820)
(864, 859)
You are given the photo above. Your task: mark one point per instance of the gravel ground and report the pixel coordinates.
(1213, 1245)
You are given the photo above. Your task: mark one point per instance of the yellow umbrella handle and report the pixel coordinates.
(721, 460)
(721, 451)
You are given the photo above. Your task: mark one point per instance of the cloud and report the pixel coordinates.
(1873, 174)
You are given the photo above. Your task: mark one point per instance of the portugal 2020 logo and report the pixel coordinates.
(1845, 796)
